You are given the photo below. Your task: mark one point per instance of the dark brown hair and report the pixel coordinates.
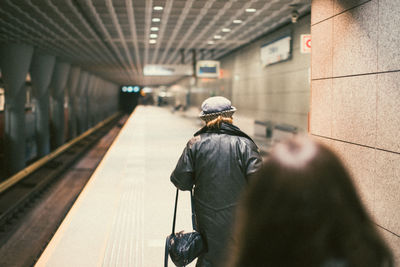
(303, 210)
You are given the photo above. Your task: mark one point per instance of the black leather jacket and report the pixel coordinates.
(217, 163)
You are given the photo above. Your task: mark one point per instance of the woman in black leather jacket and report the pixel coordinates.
(217, 164)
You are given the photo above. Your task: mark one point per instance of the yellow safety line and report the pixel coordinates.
(37, 164)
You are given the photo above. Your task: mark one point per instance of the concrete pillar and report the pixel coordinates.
(57, 86)
(86, 101)
(105, 96)
(97, 104)
(93, 101)
(87, 96)
(16, 59)
(113, 90)
(41, 72)
(81, 101)
(110, 93)
(99, 100)
(72, 85)
(115, 97)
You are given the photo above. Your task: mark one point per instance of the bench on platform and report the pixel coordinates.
(268, 133)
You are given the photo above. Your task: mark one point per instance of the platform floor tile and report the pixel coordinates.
(125, 211)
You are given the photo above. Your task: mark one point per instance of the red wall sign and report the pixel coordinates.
(305, 43)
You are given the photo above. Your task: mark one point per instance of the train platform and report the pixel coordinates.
(124, 213)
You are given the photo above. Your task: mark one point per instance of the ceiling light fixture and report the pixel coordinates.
(251, 10)
(217, 36)
(158, 8)
(153, 35)
(237, 21)
(154, 29)
(210, 42)
(156, 20)
(226, 30)
(152, 41)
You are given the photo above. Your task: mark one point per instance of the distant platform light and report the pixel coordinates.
(217, 36)
(158, 8)
(155, 19)
(237, 21)
(153, 35)
(147, 89)
(130, 89)
(210, 42)
(154, 29)
(152, 41)
(251, 10)
(226, 30)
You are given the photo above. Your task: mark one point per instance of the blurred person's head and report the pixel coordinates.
(303, 210)
(215, 110)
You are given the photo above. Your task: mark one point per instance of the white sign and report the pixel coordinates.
(276, 51)
(305, 43)
(207, 69)
(167, 70)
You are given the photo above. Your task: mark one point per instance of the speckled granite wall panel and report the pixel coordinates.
(321, 58)
(321, 10)
(364, 119)
(355, 36)
(387, 188)
(354, 109)
(388, 111)
(389, 35)
(360, 161)
(343, 5)
(321, 107)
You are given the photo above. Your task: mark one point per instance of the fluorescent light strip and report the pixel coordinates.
(251, 10)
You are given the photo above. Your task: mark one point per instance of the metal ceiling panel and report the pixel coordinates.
(112, 37)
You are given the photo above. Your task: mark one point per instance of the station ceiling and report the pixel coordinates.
(113, 38)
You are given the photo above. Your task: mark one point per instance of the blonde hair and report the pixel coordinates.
(216, 123)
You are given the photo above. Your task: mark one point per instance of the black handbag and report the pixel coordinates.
(183, 248)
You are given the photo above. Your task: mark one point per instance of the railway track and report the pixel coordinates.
(32, 209)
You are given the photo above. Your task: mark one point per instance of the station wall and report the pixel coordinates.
(279, 93)
(355, 96)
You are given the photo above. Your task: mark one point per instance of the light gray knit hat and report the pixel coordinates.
(216, 106)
